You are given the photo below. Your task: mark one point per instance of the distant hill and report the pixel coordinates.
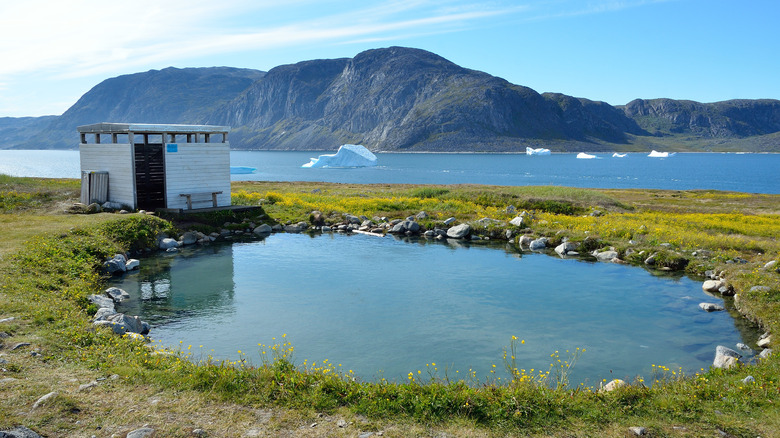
(170, 95)
(399, 99)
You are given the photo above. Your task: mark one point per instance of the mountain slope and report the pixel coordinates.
(404, 99)
(170, 95)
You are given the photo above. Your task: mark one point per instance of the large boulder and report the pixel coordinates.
(725, 357)
(167, 243)
(517, 221)
(296, 228)
(459, 231)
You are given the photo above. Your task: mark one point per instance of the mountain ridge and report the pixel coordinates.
(398, 99)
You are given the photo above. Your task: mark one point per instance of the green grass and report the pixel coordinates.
(44, 283)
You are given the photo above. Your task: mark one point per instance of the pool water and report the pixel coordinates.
(383, 307)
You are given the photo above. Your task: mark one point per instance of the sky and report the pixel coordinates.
(53, 51)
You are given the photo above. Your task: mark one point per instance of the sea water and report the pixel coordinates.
(384, 307)
(752, 173)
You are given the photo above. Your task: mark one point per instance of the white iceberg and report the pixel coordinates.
(656, 154)
(584, 156)
(617, 155)
(348, 155)
(537, 151)
(241, 169)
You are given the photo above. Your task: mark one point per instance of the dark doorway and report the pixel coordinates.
(149, 175)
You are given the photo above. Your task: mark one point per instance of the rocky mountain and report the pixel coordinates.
(408, 99)
(728, 119)
(396, 99)
(170, 95)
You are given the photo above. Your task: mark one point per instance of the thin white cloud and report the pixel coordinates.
(86, 37)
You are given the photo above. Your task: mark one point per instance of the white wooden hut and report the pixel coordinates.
(146, 166)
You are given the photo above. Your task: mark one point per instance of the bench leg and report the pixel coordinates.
(214, 199)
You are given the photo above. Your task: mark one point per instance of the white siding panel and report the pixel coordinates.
(197, 168)
(117, 160)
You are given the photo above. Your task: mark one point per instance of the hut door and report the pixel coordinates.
(149, 175)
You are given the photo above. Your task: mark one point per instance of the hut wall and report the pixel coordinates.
(197, 168)
(117, 160)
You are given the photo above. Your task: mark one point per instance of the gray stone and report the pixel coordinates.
(122, 324)
(459, 231)
(132, 264)
(352, 219)
(199, 432)
(116, 265)
(421, 215)
(102, 313)
(613, 385)
(449, 221)
(20, 345)
(117, 295)
(143, 432)
(605, 256)
(744, 348)
(87, 386)
(167, 243)
(596, 213)
(517, 221)
(650, 260)
(341, 423)
(189, 238)
(765, 353)
(748, 379)
(19, 432)
(538, 244)
(771, 264)
(9, 319)
(94, 208)
(638, 431)
(296, 228)
(262, 229)
(525, 240)
(760, 289)
(725, 357)
(565, 248)
(326, 229)
(710, 307)
(101, 301)
(44, 399)
(712, 285)
(764, 342)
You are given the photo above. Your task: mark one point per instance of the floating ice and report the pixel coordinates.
(656, 154)
(241, 169)
(584, 156)
(617, 155)
(538, 151)
(348, 155)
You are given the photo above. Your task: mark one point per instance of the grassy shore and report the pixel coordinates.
(107, 385)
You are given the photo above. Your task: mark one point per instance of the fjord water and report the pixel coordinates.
(752, 173)
(383, 307)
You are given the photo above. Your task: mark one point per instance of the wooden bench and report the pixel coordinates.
(189, 197)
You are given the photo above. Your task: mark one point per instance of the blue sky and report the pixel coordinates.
(54, 51)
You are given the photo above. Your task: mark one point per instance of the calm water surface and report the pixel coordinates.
(384, 307)
(752, 173)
